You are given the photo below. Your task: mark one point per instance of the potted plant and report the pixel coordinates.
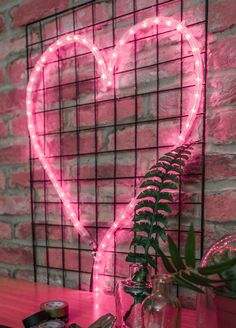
(150, 224)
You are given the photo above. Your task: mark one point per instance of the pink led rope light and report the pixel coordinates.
(127, 36)
(33, 80)
(106, 73)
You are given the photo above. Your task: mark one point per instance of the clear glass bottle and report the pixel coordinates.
(129, 296)
(162, 308)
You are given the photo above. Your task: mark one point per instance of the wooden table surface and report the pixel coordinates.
(19, 299)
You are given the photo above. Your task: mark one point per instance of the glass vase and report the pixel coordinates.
(162, 308)
(129, 296)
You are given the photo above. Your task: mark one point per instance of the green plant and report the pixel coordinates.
(185, 272)
(150, 219)
(150, 224)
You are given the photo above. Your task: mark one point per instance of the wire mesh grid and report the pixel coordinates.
(101, 143)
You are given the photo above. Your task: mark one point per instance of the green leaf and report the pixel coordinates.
(154, 244)
(176, 259)
(196, 279)
(171, 177)
(145, 203)
(166, 159)
(139, 241)
(136, 258)
(177, 169)
(166, 196)
(183, 283)
(159, 217)
(149, 193)
(166, 262)
(142, 227)
(200, 280)
(161, 232)
(154, 174)
(168, 185)
(151, 261)
(217, 268)
(179, 161)
(190, 248)
(143, 215)
(163, 207)
(150, 183)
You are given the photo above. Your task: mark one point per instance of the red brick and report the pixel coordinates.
(2, 76)
(221, 127)
(17, 71)
(2, 181)
(16, 255)
(23, 230)
(12, 100)
(221, 15)
(3, 129)
(20, 179)
(222, 53)
(221, 88)
(220, 166)
(221, 207)
(16, 154)
(4, 272)
(19, 125)
(5, 231)
(24, 275)
(14, 205)
(31, 10)
(2, 24)
(12, 46)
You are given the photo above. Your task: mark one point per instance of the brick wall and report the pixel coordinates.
(15, 220)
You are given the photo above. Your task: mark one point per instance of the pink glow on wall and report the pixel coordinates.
(106, 73)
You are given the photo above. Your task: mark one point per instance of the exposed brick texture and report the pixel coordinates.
(15, 218)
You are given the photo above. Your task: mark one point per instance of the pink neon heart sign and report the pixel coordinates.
(106, 73)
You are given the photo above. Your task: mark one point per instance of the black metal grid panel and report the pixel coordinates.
(80, 120)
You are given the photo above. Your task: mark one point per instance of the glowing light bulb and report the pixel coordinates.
(68, 38)
(156, 20)
(32, 79)
(131, 31)
(100, 62)
(181, 137)
(58, 42)
(187, 125)
(194, 49)
(38, 68)
(144, 24)
(84, 40)
(104, 76)
(43, 59)
(50, 49)
(187, 36)
(28, 102)
(197, 95)
(114, 55)
(169, 23)
(109, 83)
(94, 48)
(197, 62)
(121, 42)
